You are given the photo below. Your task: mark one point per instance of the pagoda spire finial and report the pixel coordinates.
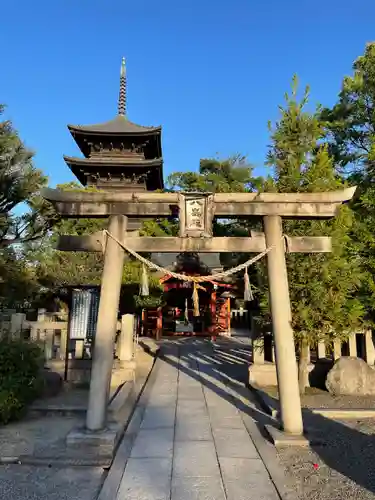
(122, 94)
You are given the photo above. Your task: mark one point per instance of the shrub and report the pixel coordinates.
(21, 363)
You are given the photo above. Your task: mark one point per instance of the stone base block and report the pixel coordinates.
(107, 438)
(264, 374)
(280, 438)
(124, 399)
(124, 373)
(130, 364)
(149, 345)
(79, 371)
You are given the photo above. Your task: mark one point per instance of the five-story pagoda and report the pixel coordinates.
(118, 154)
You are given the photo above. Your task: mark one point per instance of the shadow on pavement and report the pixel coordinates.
(342, 447)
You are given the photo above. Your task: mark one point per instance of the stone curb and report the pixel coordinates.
(267, 452)
(39, 409)
(265, 401)
(9, 460)
(103, 463)
(112, 481)
(344, 413)
(56, 461)
(268, 406)
(268, 455)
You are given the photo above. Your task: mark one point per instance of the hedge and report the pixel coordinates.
(21, 363)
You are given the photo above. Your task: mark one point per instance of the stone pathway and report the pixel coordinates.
(192, 443)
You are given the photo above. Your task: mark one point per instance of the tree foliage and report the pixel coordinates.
(232, 174)
(56, 271)
(20, 183)
(301, 163)
(24, 216)
(21, 382)
(351, 124)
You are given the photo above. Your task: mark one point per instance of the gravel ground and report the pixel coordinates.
(316, 398)
(67, 397)
(19, 482)
(340, 467)
(32, 435)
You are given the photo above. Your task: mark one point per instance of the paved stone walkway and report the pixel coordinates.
(192, 443)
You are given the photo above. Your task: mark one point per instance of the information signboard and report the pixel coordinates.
(84, 313)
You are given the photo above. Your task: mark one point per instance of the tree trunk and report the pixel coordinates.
(303, 374)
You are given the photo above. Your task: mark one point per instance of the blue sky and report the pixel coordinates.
(212, 73)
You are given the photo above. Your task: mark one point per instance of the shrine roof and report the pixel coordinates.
(168, 260)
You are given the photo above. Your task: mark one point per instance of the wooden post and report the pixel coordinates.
(106, 326)
(228, 317)
(273, 353)
(160, 322)
(78, 352)
(125, 350)
(286, 363)
(369, 346)
(42, 315)
(258, 351)
(352, 341)
(49, 336)
(16, 322)
(63, 344)
(321, 349)
(212, 327)
(143, 323)
(336, 349)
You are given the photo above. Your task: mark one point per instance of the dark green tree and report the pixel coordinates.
(322, 286)
(20, 183)
(351, 127)
(228, 175)
(24, 216)
(351, 121)
(56, 270)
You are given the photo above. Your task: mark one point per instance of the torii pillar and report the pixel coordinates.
(102, 363)
(286, 363)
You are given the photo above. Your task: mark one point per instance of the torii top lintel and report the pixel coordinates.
(78, 204)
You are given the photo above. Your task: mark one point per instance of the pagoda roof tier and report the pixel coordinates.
(119, 126)
(112, 161)
(82, 168)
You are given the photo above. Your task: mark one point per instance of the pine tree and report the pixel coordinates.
(56, 270)
(351, 127)
(322, 286)
(20, 183)
(228, 175)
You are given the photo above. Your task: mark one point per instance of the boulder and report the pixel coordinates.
(352, 377)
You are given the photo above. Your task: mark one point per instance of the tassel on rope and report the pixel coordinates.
(248, 294)
(186, 313)
(144, 282)
(195, 300)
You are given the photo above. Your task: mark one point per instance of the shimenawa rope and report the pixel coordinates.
(184, 277)
(195, 279)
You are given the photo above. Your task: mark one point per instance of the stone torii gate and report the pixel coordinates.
(196, 213)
